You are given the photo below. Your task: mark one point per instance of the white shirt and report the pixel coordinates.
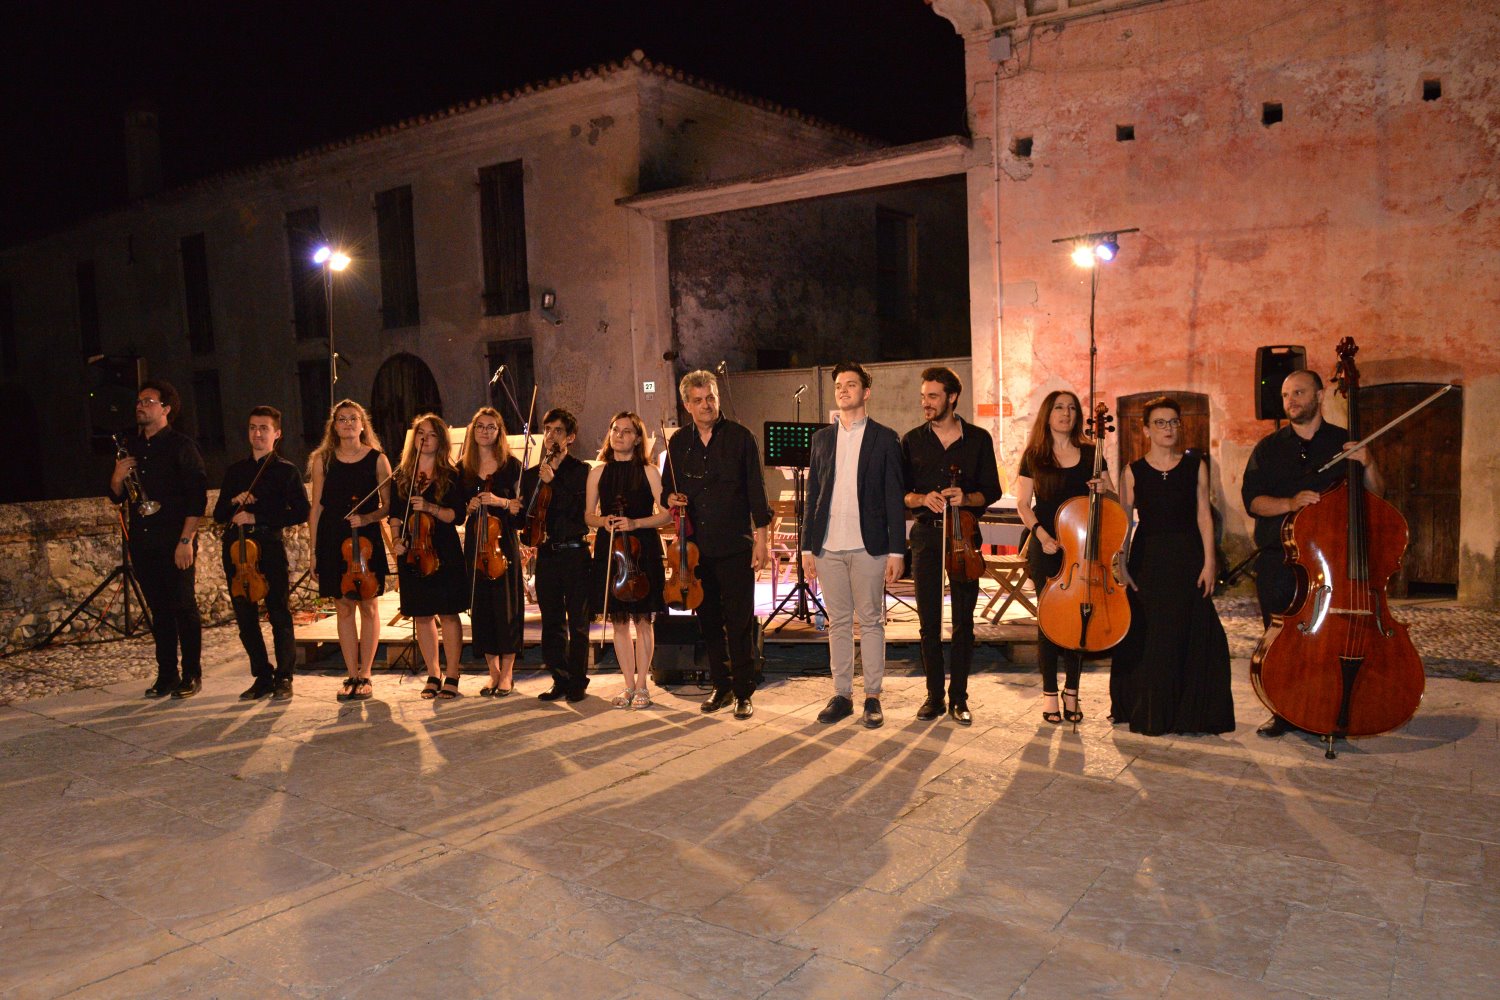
(843, 510)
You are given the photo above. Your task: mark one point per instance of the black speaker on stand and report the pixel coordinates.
(1272, 366)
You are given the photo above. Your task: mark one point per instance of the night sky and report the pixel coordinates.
(238, 83)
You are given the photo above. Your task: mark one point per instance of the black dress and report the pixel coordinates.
(445, 591)
(1171, 672)
(498, 613)
(1051, 492)
(628, 480)
(344, 485)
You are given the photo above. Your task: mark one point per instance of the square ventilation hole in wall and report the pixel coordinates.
(1432, 89)
(1270, 113)
(1124, 133)
(1020, 147)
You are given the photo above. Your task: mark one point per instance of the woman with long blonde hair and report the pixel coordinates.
(490, 479)
(428, 503)
(345, 469)
(624, 495)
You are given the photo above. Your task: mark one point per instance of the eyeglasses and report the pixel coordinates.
(1162, 425)
(148, 402)
(487, 427)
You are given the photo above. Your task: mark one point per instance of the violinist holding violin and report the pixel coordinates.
(491, 478)
(554, 491)
(428, 503)
(623, 501)
(949, 467)
(262, 495)
(350, 494)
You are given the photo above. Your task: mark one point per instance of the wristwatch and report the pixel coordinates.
(185, 540)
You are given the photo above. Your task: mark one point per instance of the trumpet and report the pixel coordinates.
(143, 504)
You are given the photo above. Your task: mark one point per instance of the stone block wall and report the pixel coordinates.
(53, 553)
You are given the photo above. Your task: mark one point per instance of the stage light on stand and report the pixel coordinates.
(1083, 255)
(321, 255)
(1107, 249)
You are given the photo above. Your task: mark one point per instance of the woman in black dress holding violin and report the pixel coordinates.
(491, 476)
(624, 493)
(1055, 467)
(427, 506)
(1171, 673)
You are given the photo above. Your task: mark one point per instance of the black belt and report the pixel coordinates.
(931, 520)
(559, 546)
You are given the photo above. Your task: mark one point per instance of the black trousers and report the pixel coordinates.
(727, 618)
(927, 575)
(1275, 583)
(247, 615)
(562, 580)
(170, 595)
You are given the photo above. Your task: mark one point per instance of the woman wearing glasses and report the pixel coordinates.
(1171, 673)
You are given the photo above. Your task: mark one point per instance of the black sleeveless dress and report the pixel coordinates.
(1171, 672)
(498, 614)
(445, 591)
(628, 480)
(344, 485)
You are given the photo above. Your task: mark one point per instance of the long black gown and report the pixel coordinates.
(1171, 672)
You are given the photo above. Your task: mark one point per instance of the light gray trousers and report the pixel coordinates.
(853, 582)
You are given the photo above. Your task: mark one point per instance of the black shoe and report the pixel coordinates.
(574, 697)
(716, 701)
(959, 713)
(874, 717)
(162, 688)
(931, 709)
(838, 708)
(743, 709)
(188, 688)
(557, 691)
(257, 691)
(283, 689)
(1075, 714)
(1273, 727)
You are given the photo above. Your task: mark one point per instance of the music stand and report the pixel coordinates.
(125, 573)
(790, 445)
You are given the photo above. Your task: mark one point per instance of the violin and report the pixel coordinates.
(489, 557)
(963, 561)
(627, 581)
(248, 583)
(358, 582)
(534, 532)
(421, 552)
(1084, 607)
(1337, 663)
(683, 587)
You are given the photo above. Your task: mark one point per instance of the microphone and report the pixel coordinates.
(800, 390)
(721, 368)
(496, 377)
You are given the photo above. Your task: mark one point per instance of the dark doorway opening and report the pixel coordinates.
(404, 387)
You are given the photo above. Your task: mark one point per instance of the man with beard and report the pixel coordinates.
(947, 460)
(1281, 478)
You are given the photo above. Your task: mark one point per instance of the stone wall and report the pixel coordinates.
(53, 553)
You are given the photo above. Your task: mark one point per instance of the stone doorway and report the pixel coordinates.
(404, 387)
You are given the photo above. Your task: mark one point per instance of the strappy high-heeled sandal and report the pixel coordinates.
(1054, 717)
(431, 688)
(450, 689)
(1075, 715)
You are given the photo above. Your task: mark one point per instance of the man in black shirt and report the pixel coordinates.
(716, 474)
(933, 454)
(164, 543)
(562, 559)
(264, 494)
(1281, 478)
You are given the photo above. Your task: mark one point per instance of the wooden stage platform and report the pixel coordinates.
(316, 628)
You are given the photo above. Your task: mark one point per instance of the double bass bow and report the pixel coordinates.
(1337, 663)
(1084, 607)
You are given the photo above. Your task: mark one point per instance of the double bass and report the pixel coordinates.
(1337, 663)
(1084, 607)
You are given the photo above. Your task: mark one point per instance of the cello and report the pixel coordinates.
(1084, 607)
(1337, 663)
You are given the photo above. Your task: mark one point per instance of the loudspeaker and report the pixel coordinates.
(114, 382)
(1272, 366)
(680, 656)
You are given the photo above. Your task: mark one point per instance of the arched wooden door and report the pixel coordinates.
(404, 387)
(1419, 464)
(1128, 416)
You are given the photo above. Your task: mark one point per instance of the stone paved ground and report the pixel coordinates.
(402, 848)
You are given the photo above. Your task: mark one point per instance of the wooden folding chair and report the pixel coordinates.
(1009, 572)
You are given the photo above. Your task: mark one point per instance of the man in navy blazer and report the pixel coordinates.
(854, 538)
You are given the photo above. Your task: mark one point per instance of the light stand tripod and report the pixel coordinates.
(791, 445)
(125, 573)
